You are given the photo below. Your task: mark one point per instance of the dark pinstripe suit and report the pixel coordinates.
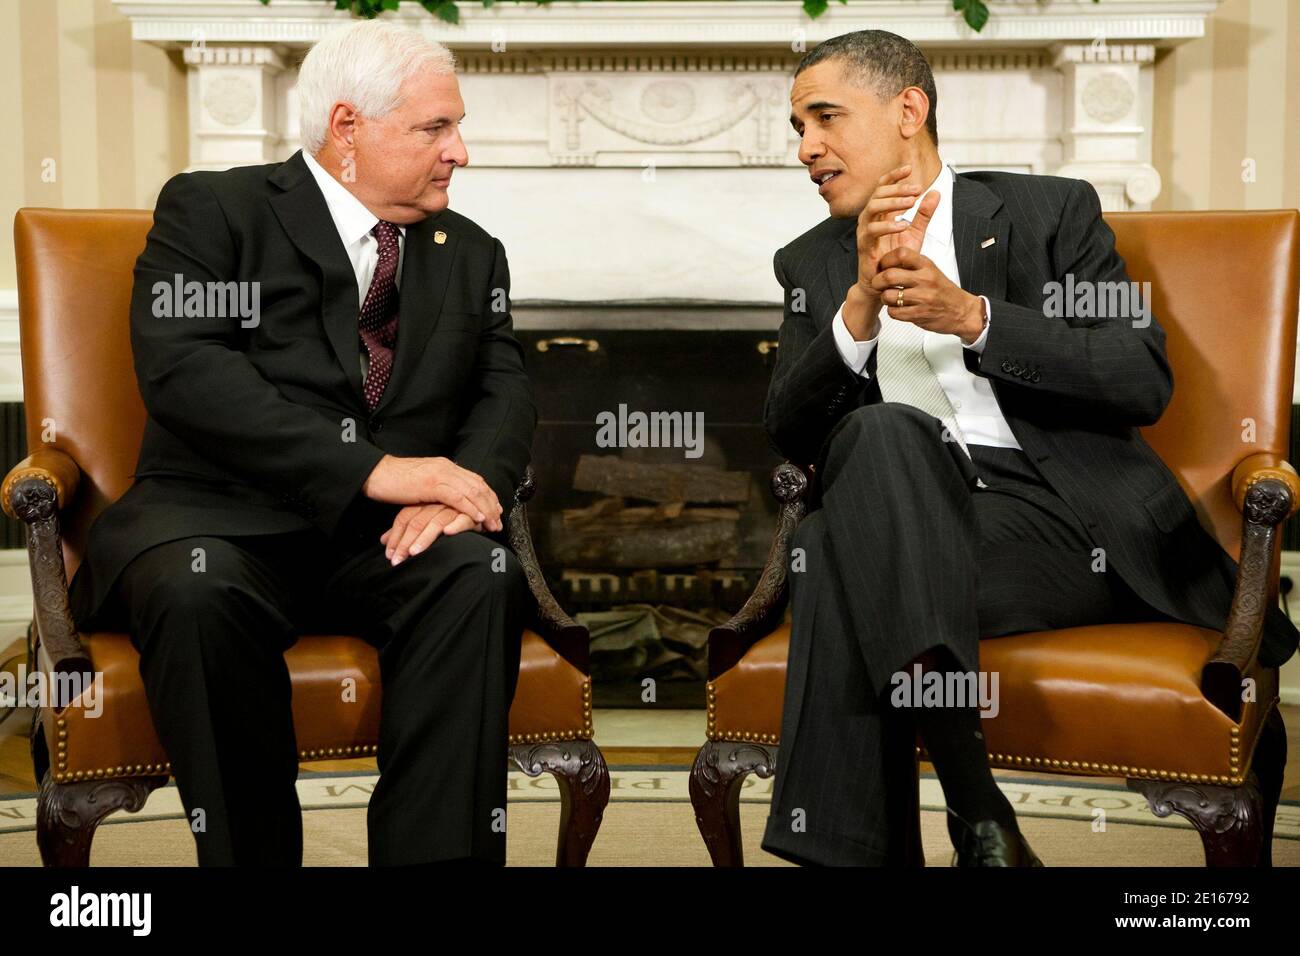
(904, 554)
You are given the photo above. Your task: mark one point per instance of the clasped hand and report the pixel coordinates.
(930, 299)
(890, 261)
(440, 497)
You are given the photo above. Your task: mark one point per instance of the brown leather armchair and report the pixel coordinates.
(85, 419)
(1159, 704)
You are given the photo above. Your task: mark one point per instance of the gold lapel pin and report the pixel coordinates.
(988, 242)
(439, 237)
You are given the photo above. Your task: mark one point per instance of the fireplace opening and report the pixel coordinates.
(653, 517)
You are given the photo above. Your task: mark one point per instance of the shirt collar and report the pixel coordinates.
(940, 228)
(351, 218)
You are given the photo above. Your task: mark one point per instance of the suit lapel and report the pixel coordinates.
(981, 264)
(306, 219)
(842, 264)
(426, 270)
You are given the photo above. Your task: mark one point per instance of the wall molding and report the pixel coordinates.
(678, 25)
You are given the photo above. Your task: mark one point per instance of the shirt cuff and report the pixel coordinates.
(855, 354)
(978, 344)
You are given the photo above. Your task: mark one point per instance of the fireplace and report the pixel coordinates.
(653, 516)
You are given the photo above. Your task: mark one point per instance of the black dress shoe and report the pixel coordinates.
(989, 843)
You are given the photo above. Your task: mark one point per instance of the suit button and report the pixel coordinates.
(1036, 376)
(376, 426)
(1006, 366)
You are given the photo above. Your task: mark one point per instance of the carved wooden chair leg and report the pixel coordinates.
(1268, 765)
(720, 770)
(67, 814)
(580, 770)
(1229, 819)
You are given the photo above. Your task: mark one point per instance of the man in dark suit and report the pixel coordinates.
(978, 469)
(335, 458)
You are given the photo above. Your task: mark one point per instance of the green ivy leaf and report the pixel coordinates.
(974, 12)
(814, 8)
(444, 10)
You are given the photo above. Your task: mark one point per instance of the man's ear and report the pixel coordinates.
(342, 127)
(915, 110)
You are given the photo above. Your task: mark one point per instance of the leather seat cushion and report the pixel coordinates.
(332, 719)
(1108, 700)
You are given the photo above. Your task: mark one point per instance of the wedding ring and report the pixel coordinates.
(899, 303)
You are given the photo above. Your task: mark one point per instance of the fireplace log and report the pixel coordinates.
(613, 516)
(672, 544)
(696, 484)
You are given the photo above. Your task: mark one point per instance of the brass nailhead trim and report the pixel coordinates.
(336, 753)
(1113, 770)
(102, 773)
(548, 736)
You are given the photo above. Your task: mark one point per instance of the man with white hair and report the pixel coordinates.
(337, 461)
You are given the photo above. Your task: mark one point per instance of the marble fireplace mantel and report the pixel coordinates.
(642, 151)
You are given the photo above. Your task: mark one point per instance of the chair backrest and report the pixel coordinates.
(75, 271)
(1224, 286)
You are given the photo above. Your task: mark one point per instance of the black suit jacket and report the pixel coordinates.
(264, 429)
(1073, 390)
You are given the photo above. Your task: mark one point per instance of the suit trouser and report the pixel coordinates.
(447, 624)
(906, 554)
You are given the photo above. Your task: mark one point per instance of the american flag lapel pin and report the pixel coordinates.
(988, 242)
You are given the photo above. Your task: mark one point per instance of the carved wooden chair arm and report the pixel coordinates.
(1267, 490)
(562, 632)
(728, 642)
(34, 492)
(1257, 468)
(54, 467)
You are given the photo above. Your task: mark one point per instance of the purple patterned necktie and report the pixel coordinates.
(378, 320)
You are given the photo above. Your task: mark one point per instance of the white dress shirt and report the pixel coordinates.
(354, 222)
(978, 414)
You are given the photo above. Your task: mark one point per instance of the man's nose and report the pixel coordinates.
(456, 152)
(810, 148)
